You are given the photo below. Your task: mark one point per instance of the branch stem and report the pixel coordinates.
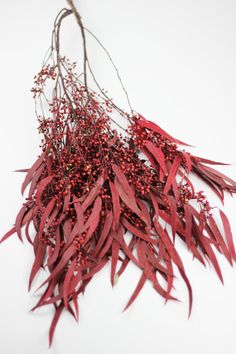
(80, 23)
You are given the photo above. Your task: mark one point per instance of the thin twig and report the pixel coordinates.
(114, 66)
(79, 21)
(87, 64)
(57, 45)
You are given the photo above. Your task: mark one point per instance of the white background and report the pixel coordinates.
(177, 59)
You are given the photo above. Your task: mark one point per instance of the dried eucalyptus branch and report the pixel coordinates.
(92, 185)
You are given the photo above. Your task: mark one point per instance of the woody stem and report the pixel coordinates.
(80, 23)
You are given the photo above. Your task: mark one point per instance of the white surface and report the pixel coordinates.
(177, 59)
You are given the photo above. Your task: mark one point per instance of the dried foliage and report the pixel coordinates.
(93, 184)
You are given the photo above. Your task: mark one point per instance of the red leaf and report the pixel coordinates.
(172, 173)
(41, 187)
(123, 181)
(93, 193)
(68, 277)
(92, 229)
(67, 230)
(209, 161)
(205, 243)
(217, 176)
(188, 225)
(115, 204)
(19, 220)
(126, 260)
(94, 214)
(37, 175)
(114, 259)
(158, 154)
(54, 322)
(32, 170)
(24, 170)
(78, 209)
(156, 259)
(105, 231)
(49, 163)
(155, 205)
(66, 256)
(151, 159)
(170, 277)
(154, 127)
(96, 269)
(168, 244)
(56, 251)
(215, 187)
(228, 234)
(120, 238)
(187, 157)
(129, 200)
(8, 234)
(75, 301)
(189, 183)
(219, 238)
(173, 215)
(212, 257)
(137, 290)
(75, 281)
(107, 244)
(137, 232)
(38, 262)
(66, 205)
(176, 259)
(141, 254)
(182, 233)
(190, 292)
(175, 189)
(145, 213)
(149, 271)
(93, 220)
(27, 234)
(80, 221)
(46, 214)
